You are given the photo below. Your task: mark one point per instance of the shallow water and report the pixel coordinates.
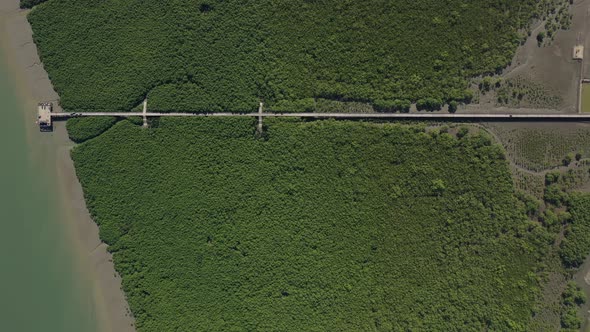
(42, 287)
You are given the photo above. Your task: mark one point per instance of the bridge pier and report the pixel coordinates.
(260, 118)
(145, 121)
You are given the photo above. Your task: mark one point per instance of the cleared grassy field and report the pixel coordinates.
(586, 97)
(538, 146)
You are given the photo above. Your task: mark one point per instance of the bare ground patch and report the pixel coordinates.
(543, 77)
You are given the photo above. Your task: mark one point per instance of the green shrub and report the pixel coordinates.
(570, 319)
(549, 219)
(541, 36)
(429, 104)
(392, 105)
(568, 159)
(462, 132)
(573, 295)
(552, 177)
(453, 105)
(531, 204)
(572, 298)
(555, 195)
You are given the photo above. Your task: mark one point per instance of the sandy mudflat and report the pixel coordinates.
(33, 86)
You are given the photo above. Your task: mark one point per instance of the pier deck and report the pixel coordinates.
(393, 116)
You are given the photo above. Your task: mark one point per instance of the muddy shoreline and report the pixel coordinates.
(33, 85)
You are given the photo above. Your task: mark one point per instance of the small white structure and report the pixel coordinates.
(44, 116)
(578, 52)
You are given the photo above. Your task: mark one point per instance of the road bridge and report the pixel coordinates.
(391, 116)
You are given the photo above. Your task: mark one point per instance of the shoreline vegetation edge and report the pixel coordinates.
(33, 85)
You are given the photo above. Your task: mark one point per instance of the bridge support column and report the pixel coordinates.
(259, 128)
(145, 122)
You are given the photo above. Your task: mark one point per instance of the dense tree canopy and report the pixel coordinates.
(314, 226)
(576, 244)
(83, 129)
(30, 3)
(318, 226)
(227, 55)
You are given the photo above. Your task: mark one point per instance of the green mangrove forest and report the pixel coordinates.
(310, 225)
(226, 55)
(317, 226)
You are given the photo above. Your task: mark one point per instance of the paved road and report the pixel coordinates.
(400, 116)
